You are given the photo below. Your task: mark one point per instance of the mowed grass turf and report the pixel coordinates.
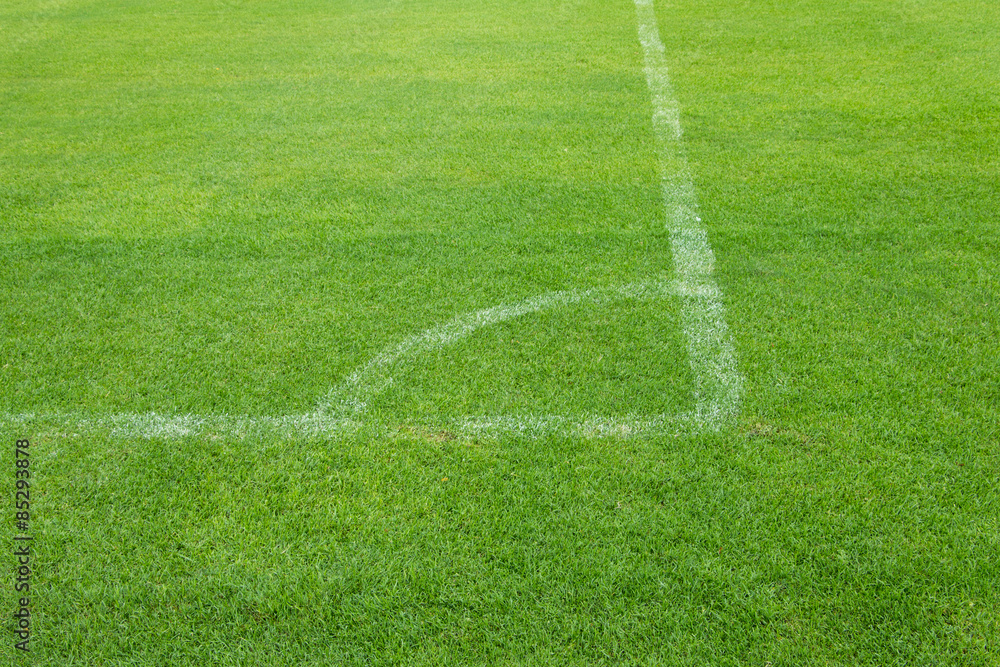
(228, 207)
(236, 207)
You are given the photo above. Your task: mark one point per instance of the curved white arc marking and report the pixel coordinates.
(342, 409)
(350, 399)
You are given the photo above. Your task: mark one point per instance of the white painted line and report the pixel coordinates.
(171, 427)
(623, 426)
(718, 384)
(717, 381)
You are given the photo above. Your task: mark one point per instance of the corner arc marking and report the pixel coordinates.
(351, 398)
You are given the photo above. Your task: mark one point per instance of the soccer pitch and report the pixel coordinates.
(510, 332)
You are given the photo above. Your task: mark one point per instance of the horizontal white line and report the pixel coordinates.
(155, 425)
(152, 425)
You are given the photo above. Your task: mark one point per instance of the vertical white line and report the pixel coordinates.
(703, 317)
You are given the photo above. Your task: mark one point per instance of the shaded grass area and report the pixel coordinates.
(260, 326)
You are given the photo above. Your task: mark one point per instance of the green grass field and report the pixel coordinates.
(222, 221)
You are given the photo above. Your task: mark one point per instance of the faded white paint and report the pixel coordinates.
(718, 384)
